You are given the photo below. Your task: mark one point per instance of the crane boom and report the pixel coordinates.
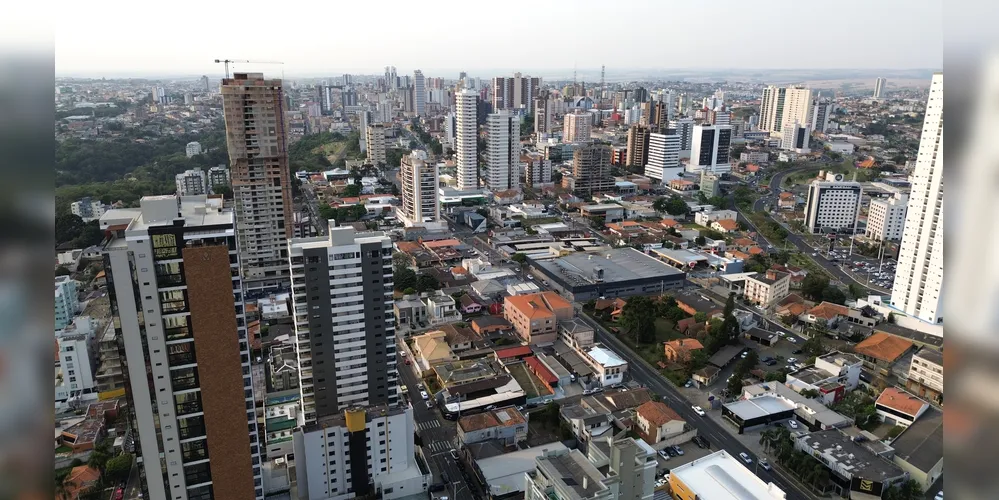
(228, 61)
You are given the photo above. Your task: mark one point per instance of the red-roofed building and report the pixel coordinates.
(538, 368)
(519, 352)
(725, 226)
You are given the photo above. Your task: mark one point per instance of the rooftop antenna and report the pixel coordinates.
(600, 99)
(227, 62)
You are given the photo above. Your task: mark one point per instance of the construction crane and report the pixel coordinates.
(228, 61)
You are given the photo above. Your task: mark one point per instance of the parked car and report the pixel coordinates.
(670, 451)
(424, 395)
(689, 384)
(792, 361)
(745, 458)
(698, 410)
(430, 404)
(796, 351)
(662, 453)
(764, 464)
(454, 454)
(792, 423)
(792, 339)
(678, 450)
(702, 441)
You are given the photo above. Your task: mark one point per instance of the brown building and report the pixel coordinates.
(591, 170)
(535, 316)
(258, 166)
(638, 145)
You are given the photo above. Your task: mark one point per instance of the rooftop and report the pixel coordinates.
(537, 305)
(615, 265)
(504, 473)
(901, 401)
(759, 406)
(849, 456)
(194, 210)
(921, 444)
(572, 471)
(841, 358)
(910, 334)
(657, 413)
(931, 356)
(505, 417)
(720, 476)
(605, 357)
(883, 346)
(460, 372)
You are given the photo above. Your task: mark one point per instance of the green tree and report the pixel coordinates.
(62, 271)
(519, 258)
(352, 190)
(119, 467)
(99, 456)
(674, 205)
(68, 227)
(636, 319)
(223, 189)
(700, 317)
(734, 385)
(426, 283)
(777, 376)
(814, 285)
(404, 278)
(833, 294)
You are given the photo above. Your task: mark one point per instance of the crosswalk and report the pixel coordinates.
(439, 446)
(422, 426)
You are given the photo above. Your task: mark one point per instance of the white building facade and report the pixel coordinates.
(419, 180)
(503, 151)
(832, 205)
(710, 145)
(886, 218)
(664, 157)
(466, 148)
(191, 182)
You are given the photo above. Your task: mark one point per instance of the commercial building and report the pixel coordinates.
(419, 181)
(898, 407)
(66, 301)
(466, 140)
(177, 298)
(341, 287)
(919, 449)
(926, 378)
(858, 470)
(886, 218)
(515, 92)
(663, 163)
(794, 137)
(619, 272)
(832, 376)
(375, 143)
(638, 145)
(658, 422)
(258, 164)
(576, 127)
(768, 402)
(568, 475)
(358, 453)
(535, 316)
(191, 182)
(918, 287)
(710, 149)
(591, 170)
(503, 151)
(720, 476)
(833, 205)
(766, 289)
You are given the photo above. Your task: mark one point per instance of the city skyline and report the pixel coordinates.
(912, 40)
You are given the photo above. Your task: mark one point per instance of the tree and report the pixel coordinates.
(674, 205)
(223, 189)
(777, 376)
(636, 319)
(62, 271)
(833, 294)
(67, 227)
(352, 190)
(700, 317)
(814, 346)
(699, 240)
(99, 456)
(426, 283)
(810, 393)
(814, 285)
(119, 467)
(735, 385)
(519, 258)
(404, 278)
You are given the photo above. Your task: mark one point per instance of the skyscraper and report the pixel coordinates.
(772, 108)
(466, 148)
(710, 149)
(820, 115)
(879, 87)
(591, 169)
(918, 287)
(177, 301)
(258, 160)
(833, 204)
(795, 138)
(638, 145)
(664, 157)
(684, 128)
(515, 92)
(419, 93)
(375, 139)
(576, 127)
(542, 114)
(797, 107)
(419, 190)
(503, 151)
(782, 106)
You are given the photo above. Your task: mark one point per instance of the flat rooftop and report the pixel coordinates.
(573, 472)
(846, 454)
(720, 476)
(921, 444)
(617, 265)
(811, 375)
(841, 358)
(759, 406)
(505, 417)
(195, 210)
(505, 473)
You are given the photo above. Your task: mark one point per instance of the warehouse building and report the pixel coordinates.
(620, 272)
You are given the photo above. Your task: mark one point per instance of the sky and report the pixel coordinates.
(116, 38)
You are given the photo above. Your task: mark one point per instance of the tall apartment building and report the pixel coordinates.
(577, 127)
(543, 112)
(591, 170)
(87, 209)
(684, 128)
(772, 108)
(193, 148)
(191, 182)
(918, 287)
(177, 302)
(663, 163)
(710, 145)
(258, 166)
(515, 92)
(348, 97)
(569, 475)
(375, 139)
(656, 114)
(886, 218)
(66, 301)
(538, 170)
(419, 93)
(77, 359)
(794, 137)
(820, 115)
(466, 149)
(217, 177)
(110, 371)
(833, 204)
(408, 100)
(503, 151)
(419, 190)
(710, 184)
(720, 116)
(879, 87)
(326, 99)
(638, 145)
(385, 112)
(797, 107)
(342, 295)
(766, 289)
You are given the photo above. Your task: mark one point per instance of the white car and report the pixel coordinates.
(698, 410)
(745, 458)
(402, 353)
(424, 395)
(792, 339)
(793, 424)
(792, 361)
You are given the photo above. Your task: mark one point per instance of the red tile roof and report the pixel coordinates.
(901, 401)
(514, 352)
(657, 413)
(541, 370)
(883, 346)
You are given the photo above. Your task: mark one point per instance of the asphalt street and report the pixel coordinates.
(718, 437)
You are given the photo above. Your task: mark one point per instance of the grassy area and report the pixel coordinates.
(653, 353)
(63, 449)
(528, 381)
(800, 260)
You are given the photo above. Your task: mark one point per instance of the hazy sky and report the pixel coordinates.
(326, 37)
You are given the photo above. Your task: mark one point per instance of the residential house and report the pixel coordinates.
(469, 305)
(693, 303)
(459, 338)
(705, 376)
(80, 481)
(657, 422)
(832, 376)
(535, 316)
(410, 312)
(881, 350)
(441, 308)
(487, 325)
(432, 348)
(507, 425)
(926, 374)
(826, 311)
(898, 407)
(786, 201)
(679, 350)
(725, 226)
(612, 306)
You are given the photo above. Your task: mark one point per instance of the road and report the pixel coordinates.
(439, 437)
(719, 438)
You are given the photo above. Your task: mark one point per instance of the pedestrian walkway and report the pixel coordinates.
(439, 446)
(432, 424)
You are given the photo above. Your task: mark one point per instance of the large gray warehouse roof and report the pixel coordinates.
(619, 264)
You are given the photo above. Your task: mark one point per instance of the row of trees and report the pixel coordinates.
(406, 281)
(816, 287)
(113, 468)
(433, 145)
(673, 205)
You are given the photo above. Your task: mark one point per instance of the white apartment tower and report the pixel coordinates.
(420, 93)
(710, 149)
(772, 108)
(663, 163)
(503, 151)
(375, 139)
(419, 190)
(820, 115)
(177, 294)
(795, 137)
(684, 128)
(466, 147)
(342, 295)
(576, 127)
(833, 204)
(797, 108)
(193, 148)
(879, 87)
(191, 182)
(918, 287)
(217, 176)
(886, 218)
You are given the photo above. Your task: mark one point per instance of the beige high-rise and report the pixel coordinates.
(258, 160)
(577, 127)
(375, 138)
(638, 145)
